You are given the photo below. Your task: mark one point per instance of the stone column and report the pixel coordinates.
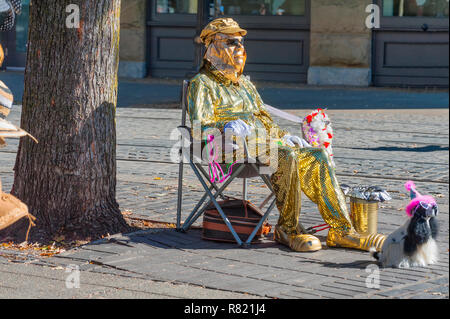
(133, 39)
(341, 44)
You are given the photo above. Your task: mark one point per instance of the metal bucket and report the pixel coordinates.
(364, 215)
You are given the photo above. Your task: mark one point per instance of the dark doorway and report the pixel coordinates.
(277, 42)
(411, 47)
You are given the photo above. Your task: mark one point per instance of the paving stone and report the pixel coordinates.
(256, 287)
(443, 289)
(375, 147)
(399, 278)
(86, 255)
(284, 276)
(361, 281)
(190, 259)
(245, 270)
(420, 286)
(345, 286)
(439, 281)
(207, 278)
(328, 294)
(393, 293)
(194, 276)
(111, 249)
(423, 296)
(300, 294)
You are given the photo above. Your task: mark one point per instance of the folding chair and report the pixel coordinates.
(212, 191)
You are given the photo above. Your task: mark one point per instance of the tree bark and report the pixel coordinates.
(68, 179)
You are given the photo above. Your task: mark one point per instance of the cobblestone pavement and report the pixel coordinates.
(372, 147)
(164, 93)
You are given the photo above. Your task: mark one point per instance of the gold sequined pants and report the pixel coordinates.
(308, 170)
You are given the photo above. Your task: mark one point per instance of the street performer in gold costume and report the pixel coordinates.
(220, 97)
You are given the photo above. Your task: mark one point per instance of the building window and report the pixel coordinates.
(176, 6)
(415, 8)
(260, 7)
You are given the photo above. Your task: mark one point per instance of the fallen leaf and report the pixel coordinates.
(59, 238)
(58, 268)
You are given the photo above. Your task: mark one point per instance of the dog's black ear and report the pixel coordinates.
(434, 227)
(435, 211)
(418, 233)
(410, 245)
(374, 253)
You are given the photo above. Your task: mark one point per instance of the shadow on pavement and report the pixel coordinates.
(172, 239)
(423, 149)
(164, 238)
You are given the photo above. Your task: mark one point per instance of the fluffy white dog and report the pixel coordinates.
(414, 243)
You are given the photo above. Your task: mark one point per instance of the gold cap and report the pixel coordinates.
(220, 25)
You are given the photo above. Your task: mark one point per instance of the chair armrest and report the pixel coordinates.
(285, 115)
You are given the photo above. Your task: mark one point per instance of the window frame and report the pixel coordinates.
(169, 19)
(250, 21)
(408, 23)
(286, 22)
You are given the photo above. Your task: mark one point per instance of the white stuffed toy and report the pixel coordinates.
(317, 131)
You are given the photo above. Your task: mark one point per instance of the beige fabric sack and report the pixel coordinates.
(11, 210)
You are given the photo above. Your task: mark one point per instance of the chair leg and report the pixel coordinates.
(202, 170)
(219, 209)
(267, 182)
(196, 214)
(180, 194)
(187, 223)
(262, 220)
(266, 200)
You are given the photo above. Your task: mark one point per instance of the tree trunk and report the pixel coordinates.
(68, 179)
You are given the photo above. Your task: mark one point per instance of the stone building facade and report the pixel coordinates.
(316, 42)
(340, 43)
(133, 35)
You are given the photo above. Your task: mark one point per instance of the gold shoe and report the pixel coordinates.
(355, 240)
(300, 243)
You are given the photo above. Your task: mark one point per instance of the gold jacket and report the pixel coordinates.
(214, 101)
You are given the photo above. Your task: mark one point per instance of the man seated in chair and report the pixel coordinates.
(220, 97)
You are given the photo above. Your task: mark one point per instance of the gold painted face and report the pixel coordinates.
(227, 54)
(235, 45)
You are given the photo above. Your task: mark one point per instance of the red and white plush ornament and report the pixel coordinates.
(317, 131)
